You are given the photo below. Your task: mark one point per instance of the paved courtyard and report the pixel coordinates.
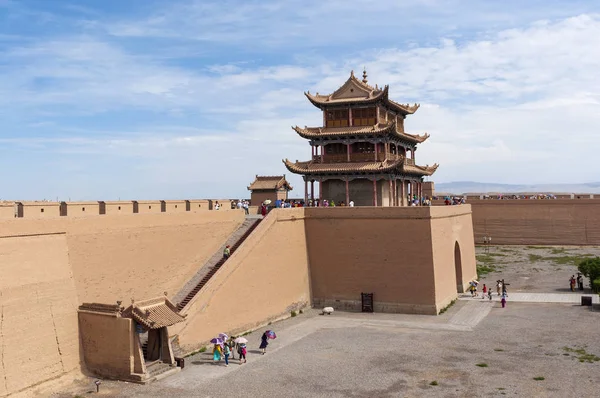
(476, 349)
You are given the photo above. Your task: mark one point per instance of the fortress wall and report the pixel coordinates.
(149, 206)
(120, 261)
(38, 301)
(137, 255)
(385, 251)
(37, 210)
(199, 205)
(175, 206)
(453, 246)
(7, 211)
(537, 222)
(265, 279)
(83, 209)
(120, 207)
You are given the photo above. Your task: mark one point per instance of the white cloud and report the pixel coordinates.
(517, 105)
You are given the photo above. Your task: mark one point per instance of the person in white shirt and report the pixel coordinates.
(351, 204)
(239, 204)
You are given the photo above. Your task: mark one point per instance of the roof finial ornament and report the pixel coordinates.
(352, 73)
(364, 80)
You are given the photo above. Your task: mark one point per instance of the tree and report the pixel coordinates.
(590, 267)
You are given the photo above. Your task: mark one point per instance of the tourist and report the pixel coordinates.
(490, 294)
(351, 204)
(226, 353)
(263, 210)
(264, 343)
(242, 352)
(239, 204)
(473, 289)
(232, 348)
(226, 252)
(503, 300)
(498, 287)
(572, 283)
(245, 206)
(216, 353)
(485, 289)
(580, 281)
(217, 205)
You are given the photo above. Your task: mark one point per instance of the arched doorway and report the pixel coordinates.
(458, 268)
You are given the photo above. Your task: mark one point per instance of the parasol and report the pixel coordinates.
(267, 202)
(240, 340)
(223, 336)
(271, 334)
(217, 340)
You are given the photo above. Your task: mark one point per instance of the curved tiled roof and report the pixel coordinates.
(312, 168)
(368, 95)
(154, 313)
(269, 182)
(377, 129)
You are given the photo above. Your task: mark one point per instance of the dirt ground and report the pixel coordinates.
(543, 269)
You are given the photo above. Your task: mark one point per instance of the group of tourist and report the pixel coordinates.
(243, 204)
(224, 347)
(487, 292)
(576, 282)
(517, 197)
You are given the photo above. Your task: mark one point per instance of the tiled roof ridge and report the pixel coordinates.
(311, 132)
(375, 166)
(275, 182)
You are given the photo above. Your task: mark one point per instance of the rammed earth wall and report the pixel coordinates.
(537, 222)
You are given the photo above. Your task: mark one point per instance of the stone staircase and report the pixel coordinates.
(187, 293)
(155, 371)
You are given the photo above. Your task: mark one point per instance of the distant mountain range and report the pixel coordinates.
(464, 187)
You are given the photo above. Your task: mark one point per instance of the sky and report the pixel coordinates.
(153, 99)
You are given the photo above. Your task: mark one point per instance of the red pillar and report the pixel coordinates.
(348, 152)
(305, 191)
(375, 193)
(322, 150)
(347, 192)
(312, 190)
(320, 191)
(390, 204)
(402, 193)
(376, 144)
(350, 116)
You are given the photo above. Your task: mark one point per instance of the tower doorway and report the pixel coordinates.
(458, 268)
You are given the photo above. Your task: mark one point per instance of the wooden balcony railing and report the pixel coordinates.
(359, 157)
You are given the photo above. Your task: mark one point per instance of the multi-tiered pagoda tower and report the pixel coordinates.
(362, 152)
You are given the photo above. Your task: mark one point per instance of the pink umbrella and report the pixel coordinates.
(271, 334)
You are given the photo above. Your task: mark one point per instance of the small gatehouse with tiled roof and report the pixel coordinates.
(362, 153)
(271, 188)
(130, 343)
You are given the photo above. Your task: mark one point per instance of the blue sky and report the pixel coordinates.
(162, 99)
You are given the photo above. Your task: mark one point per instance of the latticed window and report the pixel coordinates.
(364, 116)
(337, 118)
(332, 149)
(363, 147)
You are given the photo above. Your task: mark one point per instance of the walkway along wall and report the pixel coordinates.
(265, 279)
